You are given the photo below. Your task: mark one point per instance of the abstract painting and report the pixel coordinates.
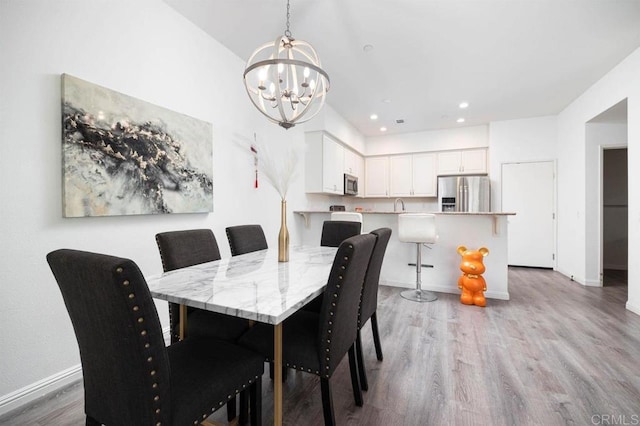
(124, 156)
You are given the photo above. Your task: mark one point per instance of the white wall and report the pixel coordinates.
(143, 49)
(433, 140)
(329, 121)
(573, 255)
(513, 141)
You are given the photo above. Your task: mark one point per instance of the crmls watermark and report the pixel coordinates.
(615, 419)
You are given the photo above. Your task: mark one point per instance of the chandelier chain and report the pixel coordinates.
(287, 31)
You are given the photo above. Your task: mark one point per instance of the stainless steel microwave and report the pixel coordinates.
(350, 185)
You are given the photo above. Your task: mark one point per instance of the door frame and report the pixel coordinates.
(554, 164)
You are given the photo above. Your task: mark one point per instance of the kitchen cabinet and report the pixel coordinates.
(462, 162)
(353, 163)
(412, 175)
(376, 177)
(324, 164)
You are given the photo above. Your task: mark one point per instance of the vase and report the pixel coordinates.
(283, 236)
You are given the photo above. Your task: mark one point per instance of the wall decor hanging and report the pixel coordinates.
(125, 156)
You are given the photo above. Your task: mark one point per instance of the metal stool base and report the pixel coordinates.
(419, 295)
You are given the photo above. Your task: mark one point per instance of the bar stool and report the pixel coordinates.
(418, 228)
(347, 216)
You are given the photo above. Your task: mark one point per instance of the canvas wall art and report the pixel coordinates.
(125, 156)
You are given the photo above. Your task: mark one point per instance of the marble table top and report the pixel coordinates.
(253, 286)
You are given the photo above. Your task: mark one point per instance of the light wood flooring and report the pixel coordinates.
(557, 353)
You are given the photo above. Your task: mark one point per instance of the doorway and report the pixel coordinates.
(606, 135)
(614, 217)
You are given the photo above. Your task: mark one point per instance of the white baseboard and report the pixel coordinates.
(48, 385)
(442, 289)
(593, 283)
(633, 308)
(37, 390)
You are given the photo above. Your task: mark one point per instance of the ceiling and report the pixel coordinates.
(508, 59)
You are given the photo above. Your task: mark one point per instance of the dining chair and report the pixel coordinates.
(179, 249)
(317, 342)
(335, 232)
(369, 301)
(130, 376)
(246, 239)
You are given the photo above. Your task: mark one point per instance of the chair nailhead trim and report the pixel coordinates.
(125, 282)
(221, 403)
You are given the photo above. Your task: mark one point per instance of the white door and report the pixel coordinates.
(528, 190)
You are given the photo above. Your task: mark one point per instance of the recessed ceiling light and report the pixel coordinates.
(463, 105)
(367, 48)
(383, 129)
(373, 116)
(386, 101)
(460, 120)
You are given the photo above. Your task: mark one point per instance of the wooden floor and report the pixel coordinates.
(557, 353)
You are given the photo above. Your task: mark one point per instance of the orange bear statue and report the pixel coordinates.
(471, 281)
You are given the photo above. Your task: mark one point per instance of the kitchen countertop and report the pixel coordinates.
(303, 212)
(455, 229)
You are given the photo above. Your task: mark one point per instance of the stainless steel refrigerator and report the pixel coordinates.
(464, 194)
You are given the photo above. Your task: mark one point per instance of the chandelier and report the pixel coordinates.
(284, 80)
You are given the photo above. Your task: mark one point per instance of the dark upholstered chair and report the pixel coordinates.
(369, 300)
(335, 232)
(130, 376)
(317, 342)
(246, 239)
(179, 249)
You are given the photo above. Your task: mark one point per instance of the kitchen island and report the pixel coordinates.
(473, 230)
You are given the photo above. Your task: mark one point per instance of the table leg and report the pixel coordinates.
(183, 321)
(277, 374)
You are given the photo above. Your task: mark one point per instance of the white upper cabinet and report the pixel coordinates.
(353, 163)
(332, 164)
(412, 175)
(424, 175)
(469, 161)
(324, 164)
(400, 176)
(376, 177)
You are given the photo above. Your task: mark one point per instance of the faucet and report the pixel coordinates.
(395, 204)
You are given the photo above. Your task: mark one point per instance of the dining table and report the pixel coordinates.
(255, 286)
